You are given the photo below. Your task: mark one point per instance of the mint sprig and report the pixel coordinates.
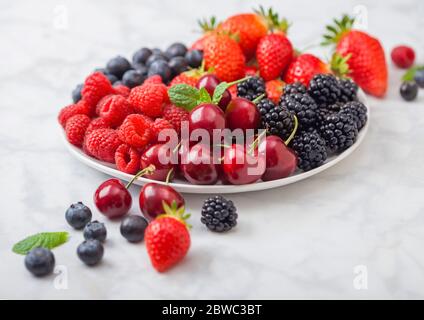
(410, 73)
(48, 240)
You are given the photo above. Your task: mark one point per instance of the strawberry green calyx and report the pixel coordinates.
(208, 25)
(273, 21)
(339, 65)
(336, 32)
(410, 73)
(172, 211)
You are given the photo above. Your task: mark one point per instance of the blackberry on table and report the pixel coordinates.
(348, 90)
(296, 87)
(339, 131)
(301, 105)
(324, 89)
(251, 88)
(275, 119)
(219, 214)
(358, 111)
(310, 149)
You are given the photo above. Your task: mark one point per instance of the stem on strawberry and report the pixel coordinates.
(174, 212)
(148, 170)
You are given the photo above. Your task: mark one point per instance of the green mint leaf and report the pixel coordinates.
(48, 240)
(204, 96)
(410, 73)
(219, 91)
(184, 96)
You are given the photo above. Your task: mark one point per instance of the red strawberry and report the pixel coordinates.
(127, 159)
(136, 130)
(167, 238)
(149, 99)
(102, 144)
(67, 112)
(175, 115)
(366, 60)
(114, 108)
(223, 54)
(274, 90)
(251, 71)
(189, 77)
(274, 54)
(96, 86)
(303, 68)
(75, 129)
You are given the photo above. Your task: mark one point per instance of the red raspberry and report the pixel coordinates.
(149, 99)
(403, 56)
(159, 125)
(127, 159)
(175, 115)
(75, 129)
(122, 90)
(98, 123)
(96, 86)
(114, 108)
(136, 130)
(157, 79)
(69, 111)
(102, 144)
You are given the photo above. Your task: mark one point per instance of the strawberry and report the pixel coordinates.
(167, 237)
(223, 54)
(366, 60)
(208, 27)
(274, 53)
(188, 77)
(303, 68)
(251, 71)
(274, 90)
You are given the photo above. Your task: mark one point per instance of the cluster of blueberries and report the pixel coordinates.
(148, 62)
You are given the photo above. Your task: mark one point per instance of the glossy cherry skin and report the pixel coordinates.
(151, 197)
(112, 199)
(242, 114)
(209, 82)
(162, 158)
(281, 161)
(240, 167)
(207, 116)
(197, 165)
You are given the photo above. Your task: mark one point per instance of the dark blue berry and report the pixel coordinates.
(409, 90)
(102, 70)
(419, 78)
(40, 262)
(161, 68)
(112, 78)
(133, 227)
(155, 57)
(141, 68)
(90, 252)
(194, 58)
(141, 56)
(157, 51)
(133, 78)
(118, 83)
(76, 93)
(176, 50)
(95, 231)
(78, 215)
(178, 65)
(117, 66)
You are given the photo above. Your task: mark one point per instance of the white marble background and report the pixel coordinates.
(300, 241)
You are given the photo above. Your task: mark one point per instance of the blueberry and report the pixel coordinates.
(155, 57)
(76, 93)
(78, 215)
(176, 50)
(419, 78)
(178, 65)
(102, 70)
(133, 227)
(117, 66)
(141, 68)
(133, 78)
(409, 90)
(161, 68)
(118, 83)
(95, 231)
(194, 58)
(157, 51)
(141, 56)
(90, 252)
(40, 262)
(112, 78)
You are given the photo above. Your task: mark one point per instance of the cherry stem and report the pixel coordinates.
(292, 134)
(177, 147)
(257, 99)
(148, 170)
(255, 143)
(168, 176)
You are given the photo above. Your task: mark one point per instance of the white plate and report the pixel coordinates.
(185, 187)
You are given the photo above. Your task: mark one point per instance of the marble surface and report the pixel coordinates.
(305, 240)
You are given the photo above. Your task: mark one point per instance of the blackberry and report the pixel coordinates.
(339, 131)
(251, 88)
(324, 89)
(310, 149)
(348, 90)
(303, 106)
(40, 262)
(296, 87)
(323, 112)
(358, 111)
(276, 119)
(219, 214)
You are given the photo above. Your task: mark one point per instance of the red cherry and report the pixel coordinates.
(113, 199)
(241, 167)
(197, 165)
(209, 82)
(151, 197)
(207, 116)
(242, 114)
(281, 161)
(162, 158)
